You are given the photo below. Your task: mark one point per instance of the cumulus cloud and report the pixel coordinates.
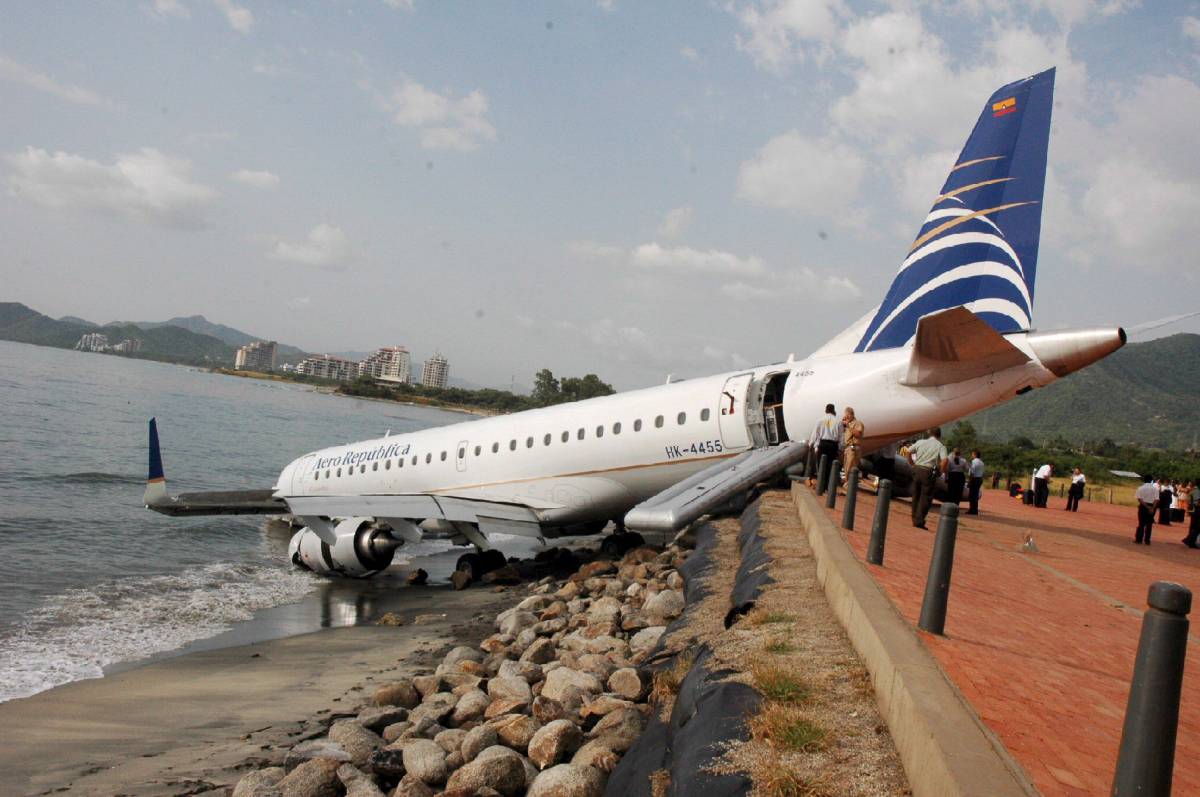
(255, 179)
(444, 122)
(325, 245)
(146, 185)
(687, 259)
(15, 72)
(776, 33)
(675, 222)
(239, 18)
(170, 8)
(800, 283)
(804, 175)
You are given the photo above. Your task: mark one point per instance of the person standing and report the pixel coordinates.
(1041, 485)
(1165, 494)
(974, 482)
(956, 476)
(826, 436)
(1147, 498)
(1078, 482)
(852, 437)
(928, 458)
(1194, 528)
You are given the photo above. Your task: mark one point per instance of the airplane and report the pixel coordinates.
(952, 336)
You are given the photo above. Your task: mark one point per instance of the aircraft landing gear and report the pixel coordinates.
(620, 542)
(477, 564)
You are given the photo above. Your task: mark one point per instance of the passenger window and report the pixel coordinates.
(317, 475)
(429, 458)
(637, 425)
(387, 464)
(658, 422)
(339, 473)
(529, 442)
(704, 414)
(362, 468)
(546, 440)
(617, 427)
(495, 448)
(566, 436)
(599, 431)
(478, 449)
(512, 445)
(400, 462)
(580, 433)
(374, 466)
(414, 459)
(462, 452)
(443, 456)
(682, 418)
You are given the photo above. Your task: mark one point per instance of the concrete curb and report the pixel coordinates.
(944, 745)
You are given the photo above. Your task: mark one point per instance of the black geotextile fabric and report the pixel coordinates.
(751, 574)
(708, 715)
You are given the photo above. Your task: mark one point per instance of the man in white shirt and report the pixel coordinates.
(1147, 498)
(1078, 482)
(826, 438)
(928, 458)
(974, 482)
(1041, 485)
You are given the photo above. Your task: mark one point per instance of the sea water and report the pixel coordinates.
(88, 577)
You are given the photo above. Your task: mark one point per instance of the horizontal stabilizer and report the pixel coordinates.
(712, 488)
(956, 345)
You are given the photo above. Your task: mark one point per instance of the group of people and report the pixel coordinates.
(930, 458)
(1173, 503)
(833, 438)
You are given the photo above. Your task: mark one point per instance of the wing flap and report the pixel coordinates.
(956, 345)
(491, 516)
(711, 488)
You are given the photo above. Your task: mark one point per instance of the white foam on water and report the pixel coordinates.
(75, 635)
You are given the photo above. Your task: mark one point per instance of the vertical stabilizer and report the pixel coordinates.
(978, 246)
(156, 481)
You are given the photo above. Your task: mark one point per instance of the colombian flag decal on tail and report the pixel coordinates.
(1004, 106)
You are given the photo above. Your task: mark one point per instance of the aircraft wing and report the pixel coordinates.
(505, 517)
(712, 488)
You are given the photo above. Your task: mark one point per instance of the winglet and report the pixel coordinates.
(156, 480)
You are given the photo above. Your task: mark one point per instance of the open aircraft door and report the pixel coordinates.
(734, 418)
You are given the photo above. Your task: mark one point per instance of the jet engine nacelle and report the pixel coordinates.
(360, 550)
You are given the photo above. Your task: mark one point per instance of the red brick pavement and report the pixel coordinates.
(1043, 644)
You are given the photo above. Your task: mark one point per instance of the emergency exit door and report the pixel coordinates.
(733, 416)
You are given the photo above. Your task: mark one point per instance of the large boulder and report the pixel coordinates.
(357, 783)
(644, 641)
(260, 783)
(426, 761)
(388, 763)
(568, 780)
(356, 740)
(470, 707)
(314, 778)
(594, 569)
(604, 610)
(477, 740)
(527, 671)
(411, 786)
(627, 683)
(512, 621)
(400, 693)
(621, 728)
(554, 741)
(437, 707)
(509, 687)
(462, 653)
(598, 754)
(503, 773)
(314, 749)
(542, 651)
(562, 678)
(376, 718)
(499, 708)
(515, 730)
(666, 605)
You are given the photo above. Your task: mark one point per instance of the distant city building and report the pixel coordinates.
(390, 364)
(435, 372)
(128, 346)
(327, 366)
(256, 356)
(93, 341)
(288, 368)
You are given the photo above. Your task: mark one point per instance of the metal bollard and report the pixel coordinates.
(823, 464)
(937, 586)
(1147, 754)
(832, 485)
(883, 498)
(851, 499)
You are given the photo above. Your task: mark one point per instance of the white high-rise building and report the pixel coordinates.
(93, 341)
(327, 366)
(389, 364)
(435, 372)
(256, 356)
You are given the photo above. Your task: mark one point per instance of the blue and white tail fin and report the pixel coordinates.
(978, 246)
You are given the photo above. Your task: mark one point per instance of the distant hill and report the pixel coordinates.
(1146, 393)
(83, 322)
(171, 343)
(234, 337)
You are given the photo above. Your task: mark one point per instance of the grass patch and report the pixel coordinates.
(785, 727)
(780, 647)
(667, 680)
(779, 781)
(761, 617)
(777, 684)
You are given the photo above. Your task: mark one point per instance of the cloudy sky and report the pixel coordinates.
(628, 188)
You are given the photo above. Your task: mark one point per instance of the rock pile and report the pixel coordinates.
(544, 707)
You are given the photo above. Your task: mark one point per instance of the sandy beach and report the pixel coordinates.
(189, 724)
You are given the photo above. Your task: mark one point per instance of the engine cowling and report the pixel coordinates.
(360, 550)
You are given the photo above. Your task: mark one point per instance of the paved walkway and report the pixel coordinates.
(1043, 644)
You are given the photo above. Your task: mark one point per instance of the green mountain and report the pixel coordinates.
(174, 344)
(1145, 393)
(234, 337)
